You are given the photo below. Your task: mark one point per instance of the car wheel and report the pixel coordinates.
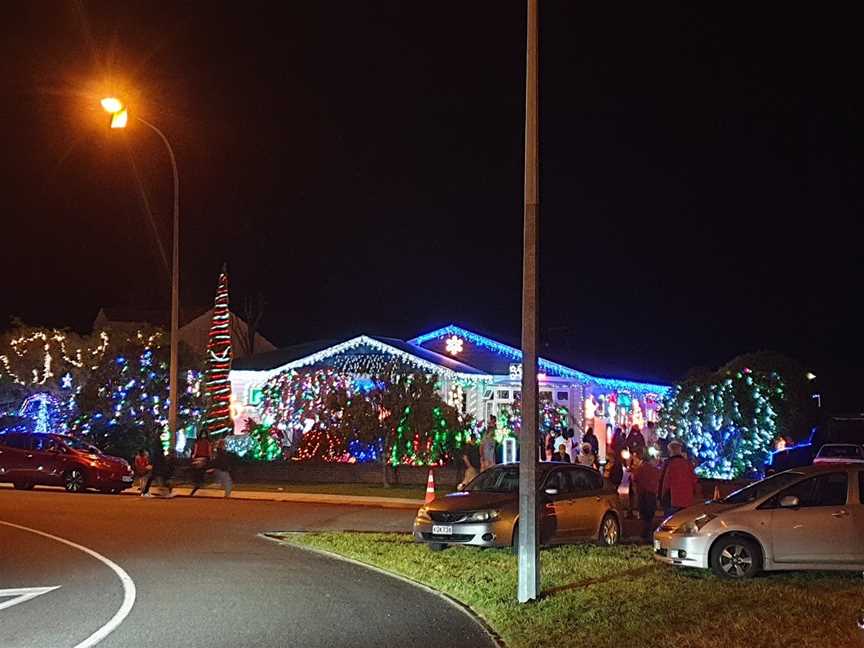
(437, 546)
(610, 531)
(73, 480)
(736, 557)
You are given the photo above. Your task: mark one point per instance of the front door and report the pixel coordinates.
(821, 528)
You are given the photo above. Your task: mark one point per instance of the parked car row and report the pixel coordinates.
(806, 518)
(28, 459)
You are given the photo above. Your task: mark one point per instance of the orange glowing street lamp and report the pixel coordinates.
(119, 119)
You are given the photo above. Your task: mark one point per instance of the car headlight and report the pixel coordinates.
(694, 526)
(483, 516)
(423, 514)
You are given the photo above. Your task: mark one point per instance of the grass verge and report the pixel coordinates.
(606, 598)
(371, 490)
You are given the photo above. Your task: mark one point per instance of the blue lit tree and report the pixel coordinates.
(730, 418)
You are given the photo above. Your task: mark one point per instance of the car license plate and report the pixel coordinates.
(656, 545)
(126, 478)
(440, 529)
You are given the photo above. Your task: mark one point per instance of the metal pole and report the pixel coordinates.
(529, 557)
(175, 295)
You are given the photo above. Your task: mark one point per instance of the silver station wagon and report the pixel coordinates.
(805, 518)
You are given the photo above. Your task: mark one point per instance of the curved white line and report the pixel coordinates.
(128, 586)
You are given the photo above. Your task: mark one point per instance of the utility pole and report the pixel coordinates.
(529, 557)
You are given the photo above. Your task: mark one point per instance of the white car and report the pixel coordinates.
(839, 453)
(804, 518)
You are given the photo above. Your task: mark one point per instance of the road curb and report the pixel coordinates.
(464, 608)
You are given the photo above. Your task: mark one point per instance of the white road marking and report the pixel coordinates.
(23, 594)
(128, 586)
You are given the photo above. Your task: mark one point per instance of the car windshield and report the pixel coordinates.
(762, 488)
(840, 452)
(80, 446)
(496, 480)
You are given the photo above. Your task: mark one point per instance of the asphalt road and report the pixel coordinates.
(203, 577)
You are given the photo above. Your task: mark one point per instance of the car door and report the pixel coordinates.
(819, 530)
(559, 517)
(857, 509)
(588, 508)
(12, 451)
(43, 460)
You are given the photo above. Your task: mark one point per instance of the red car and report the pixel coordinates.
(28, 459)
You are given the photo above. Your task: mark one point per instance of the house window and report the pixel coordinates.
(503, 394)
(563, 396)
(256, 395)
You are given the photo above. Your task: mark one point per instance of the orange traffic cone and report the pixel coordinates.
(430, 487)
(716, 492)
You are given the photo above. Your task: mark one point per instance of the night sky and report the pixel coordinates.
(360, 164)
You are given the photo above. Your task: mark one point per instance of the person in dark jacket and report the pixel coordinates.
(619, 442)
(162, 469)
(221, 465)
(562, 454)
(200, 459)
(590, 438)
(636, 441)
(614, 470)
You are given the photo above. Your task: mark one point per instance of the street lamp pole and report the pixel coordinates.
(175, 294)
(529, 557)
(119, 118)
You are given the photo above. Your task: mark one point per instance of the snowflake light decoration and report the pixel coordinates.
(454, 345)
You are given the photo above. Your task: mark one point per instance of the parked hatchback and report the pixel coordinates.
(575, 503)
(806, 518)
(29, 459)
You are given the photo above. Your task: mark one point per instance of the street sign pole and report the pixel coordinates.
(529, 557)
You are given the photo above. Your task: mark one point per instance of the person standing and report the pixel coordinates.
(591, 438)
(650, 435)
(470, 460)
(200, 461)
(646, 479)
(677, 480)
(487, 445)
(142, 468)
(619, 442)
(161, 469)
(587, 457)
(562, 454)
(635, 441)
(222, 467)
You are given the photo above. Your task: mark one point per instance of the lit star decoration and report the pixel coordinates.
(217, 387)
(454, 345)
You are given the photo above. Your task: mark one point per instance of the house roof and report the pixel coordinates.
(481, 358)
(491, 356)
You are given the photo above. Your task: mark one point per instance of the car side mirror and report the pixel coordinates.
(551, 491)
(789, 501)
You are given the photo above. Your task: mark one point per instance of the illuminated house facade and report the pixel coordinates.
(477, 374)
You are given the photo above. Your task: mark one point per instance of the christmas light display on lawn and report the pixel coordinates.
(217, 387)
(335, 417)
(728, 423)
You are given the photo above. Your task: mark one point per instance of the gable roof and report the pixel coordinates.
(305, 355)
(493, 357)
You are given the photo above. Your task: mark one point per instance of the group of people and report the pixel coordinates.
(207, 459)
(673, 484)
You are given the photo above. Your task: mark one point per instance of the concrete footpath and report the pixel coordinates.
(302, 498)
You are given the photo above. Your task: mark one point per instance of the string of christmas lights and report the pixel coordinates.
(217, 386)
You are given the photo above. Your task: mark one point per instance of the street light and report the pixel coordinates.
(119, 119)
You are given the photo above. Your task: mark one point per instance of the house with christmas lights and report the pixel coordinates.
(478, 375)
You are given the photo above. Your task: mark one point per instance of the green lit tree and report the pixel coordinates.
(730, 418)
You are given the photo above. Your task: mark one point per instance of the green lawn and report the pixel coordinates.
(595, 597)
(374, 490)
